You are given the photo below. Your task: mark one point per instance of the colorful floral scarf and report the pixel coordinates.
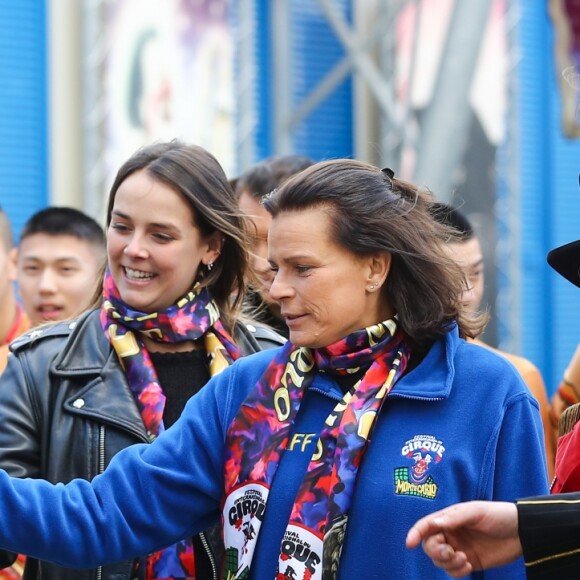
(194, 316)
(260, 433)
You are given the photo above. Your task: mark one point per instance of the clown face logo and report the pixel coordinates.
(423, 452)
(419, 470)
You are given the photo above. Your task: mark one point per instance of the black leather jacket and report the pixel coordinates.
(66, 409)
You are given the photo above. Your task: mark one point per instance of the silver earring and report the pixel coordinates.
(210, 266)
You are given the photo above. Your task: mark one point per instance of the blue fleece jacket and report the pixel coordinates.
(460, 426)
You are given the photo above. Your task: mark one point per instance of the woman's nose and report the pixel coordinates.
(136, 247)
(279, 289)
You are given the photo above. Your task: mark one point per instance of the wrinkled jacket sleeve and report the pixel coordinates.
(520, 464)
(20, 430)
(549, 529)
(21, 413)
(150, 496)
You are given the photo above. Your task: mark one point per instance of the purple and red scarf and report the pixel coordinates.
(260, 432)
(193, 317)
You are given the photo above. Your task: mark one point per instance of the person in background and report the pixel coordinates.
(568, 391)
(57, 266)
(319, 455)
(13, 319)
(480, 535)
(59, 259)
(465, 249)
(567, 476)
(75, 394)
(13, 323)
(251, 187)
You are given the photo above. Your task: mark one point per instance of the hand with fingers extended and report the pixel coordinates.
(469, 536)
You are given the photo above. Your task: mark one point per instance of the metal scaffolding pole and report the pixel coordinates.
(356, 45)
(508, 203)
(361, 61)
(282, 78)
(396, 137)
(94, 113)
(246, 88)
(446, 122)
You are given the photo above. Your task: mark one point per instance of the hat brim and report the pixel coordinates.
(566, 261)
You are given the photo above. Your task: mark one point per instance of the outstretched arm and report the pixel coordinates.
(150, 496)
(469, 536)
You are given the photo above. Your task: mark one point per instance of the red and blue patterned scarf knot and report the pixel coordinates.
(188, 319)
(195, 316)
(258, 437)
(358, 350)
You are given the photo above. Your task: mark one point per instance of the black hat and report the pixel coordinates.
(566, 261)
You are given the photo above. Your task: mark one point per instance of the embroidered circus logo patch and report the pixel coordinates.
(421, 452)
(242, 518)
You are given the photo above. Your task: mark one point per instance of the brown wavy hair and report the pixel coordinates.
(371, 211)
(199, 178)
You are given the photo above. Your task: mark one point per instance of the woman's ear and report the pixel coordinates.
(215, 243)
(379, 268)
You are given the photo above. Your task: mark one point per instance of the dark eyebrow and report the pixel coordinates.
(154, 224)
(292, 259)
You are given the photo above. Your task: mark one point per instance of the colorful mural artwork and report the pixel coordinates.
(169, 74)
(565, 15)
